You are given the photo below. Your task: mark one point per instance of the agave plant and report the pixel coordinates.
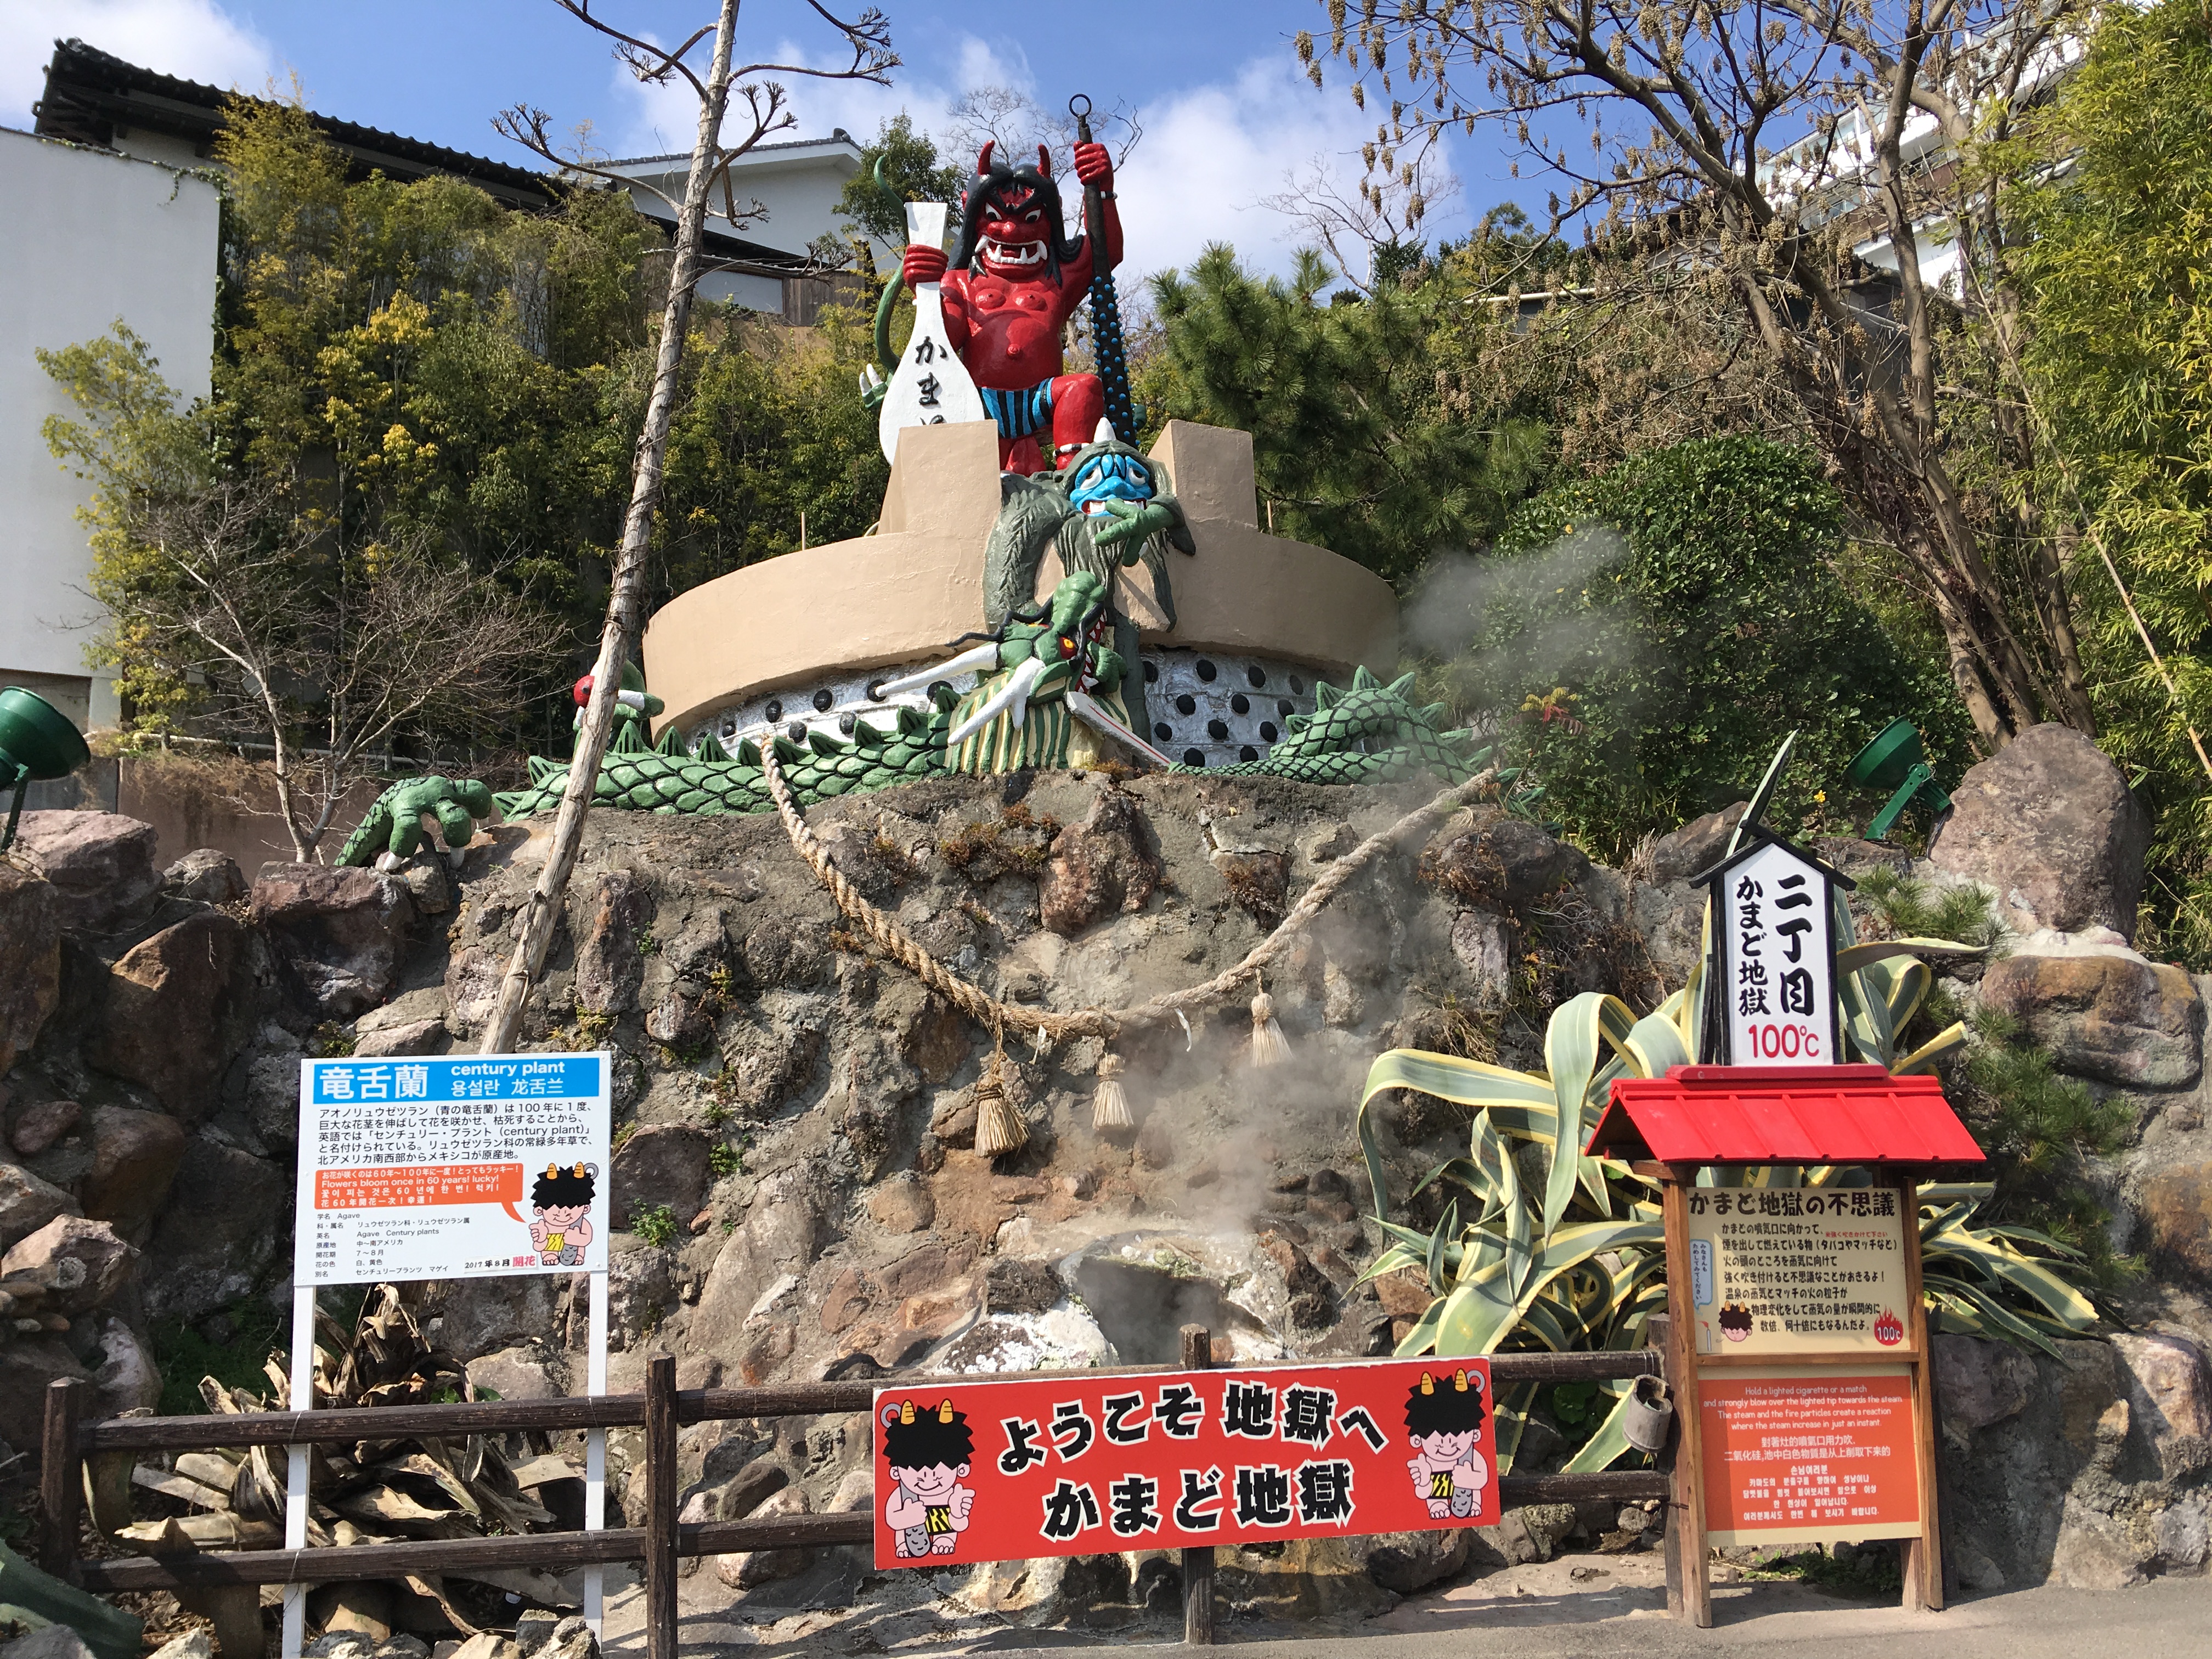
(1543, 1246)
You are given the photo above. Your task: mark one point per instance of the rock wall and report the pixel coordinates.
(795, 1188)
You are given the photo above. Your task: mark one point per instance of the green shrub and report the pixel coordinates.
(655, 1224)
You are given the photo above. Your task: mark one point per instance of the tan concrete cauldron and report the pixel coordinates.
(898, 595)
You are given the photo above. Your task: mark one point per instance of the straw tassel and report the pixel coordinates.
(999, 1127)
(1269, 1046)
(1109, 1107)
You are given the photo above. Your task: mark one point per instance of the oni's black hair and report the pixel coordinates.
(1735, 1318)
(1446, 1408)
(563, 1187)
(928, 1441)
(994, 178)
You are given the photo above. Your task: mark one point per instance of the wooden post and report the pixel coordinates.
(1923, 1556)
(61, 1485)
(660, 1506)
(1659, 1336)
(1198, 1564)
(1685, 1514)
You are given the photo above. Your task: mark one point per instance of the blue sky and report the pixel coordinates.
(1227, 114)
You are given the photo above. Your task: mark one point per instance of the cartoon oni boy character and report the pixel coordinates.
(1442, 1417)
(928, 1452)
(562, 1199)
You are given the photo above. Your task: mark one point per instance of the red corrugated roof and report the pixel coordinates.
(1783, 1115)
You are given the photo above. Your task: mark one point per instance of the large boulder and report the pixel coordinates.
(30, 961)
(341, 933)
(609, 958)
(28, 1202)
(1503, 860)
(660, 1163)
(179, 1008)
(2177, 1207)
(1697, 846)
(1103, 866)
(206, 875)
(2138, 1024)
(81, 1263)
(101, 864)
(2048, 821)
(224, 1218)
(135, 1157)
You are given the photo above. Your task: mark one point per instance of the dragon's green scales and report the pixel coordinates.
(1371, 733)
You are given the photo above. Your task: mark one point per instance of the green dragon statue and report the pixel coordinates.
(1049, 696)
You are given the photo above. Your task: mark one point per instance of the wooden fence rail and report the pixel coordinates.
(660, 1409)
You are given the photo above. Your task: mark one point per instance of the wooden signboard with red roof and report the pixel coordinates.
(1798, 1334)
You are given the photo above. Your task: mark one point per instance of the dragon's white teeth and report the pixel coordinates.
(1014, 694)
(1092, 714)
(977, 658)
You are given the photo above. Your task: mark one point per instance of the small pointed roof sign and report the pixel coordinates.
(1700, 1115)
(1756, 836)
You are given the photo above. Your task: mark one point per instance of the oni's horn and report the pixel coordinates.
(983, 161)
(1044, 162)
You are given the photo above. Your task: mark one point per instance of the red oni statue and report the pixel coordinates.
(1014, 280)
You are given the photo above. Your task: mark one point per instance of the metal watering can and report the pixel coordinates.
(1648, 1415)
(36, 741)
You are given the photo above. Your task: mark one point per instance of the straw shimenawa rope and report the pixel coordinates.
(986, 1010)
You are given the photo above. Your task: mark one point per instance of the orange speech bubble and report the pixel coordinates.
(417, 1184)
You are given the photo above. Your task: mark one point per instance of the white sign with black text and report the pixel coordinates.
(1776, 981)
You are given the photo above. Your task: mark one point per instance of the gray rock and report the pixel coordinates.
(134, 1158)
(341, 933)
(81, 1263)
(479, 1316)
(533, 1629)
(746, 1569)
(2135, 1023)
(1104, 866)
(218, 1233)
(415, 1036)
(28, 1203)
(609, 966)
(205, 876)
(572, 1638)
(1503, 860)
(2169, 1393)
(428, 884)
(2049, 823)
(126, 1377)
(101, 864)
(41, 1123)
(180, 1007)
(31, 946)
(1979, 1381)
(194, 1644)
(514, 1374)
(341, 1645)
(660, 1163)
(1697, 846)
(55, 1641)
(776, 1241)
(1409, 1561)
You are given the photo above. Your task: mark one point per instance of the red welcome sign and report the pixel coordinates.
(1079, 1465)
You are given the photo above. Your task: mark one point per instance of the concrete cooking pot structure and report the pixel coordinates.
(797, 643)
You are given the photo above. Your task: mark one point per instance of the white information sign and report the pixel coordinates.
(1778, 961)
(452, 1167)
(931, 384)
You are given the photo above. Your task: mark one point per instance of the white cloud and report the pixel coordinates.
(1209, 156)
(195, 39)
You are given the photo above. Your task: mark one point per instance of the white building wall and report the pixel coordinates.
(91, 237)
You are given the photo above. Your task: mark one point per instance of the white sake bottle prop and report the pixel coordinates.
(930, 385)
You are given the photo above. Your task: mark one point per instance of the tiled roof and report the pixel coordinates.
(1783, 1115)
